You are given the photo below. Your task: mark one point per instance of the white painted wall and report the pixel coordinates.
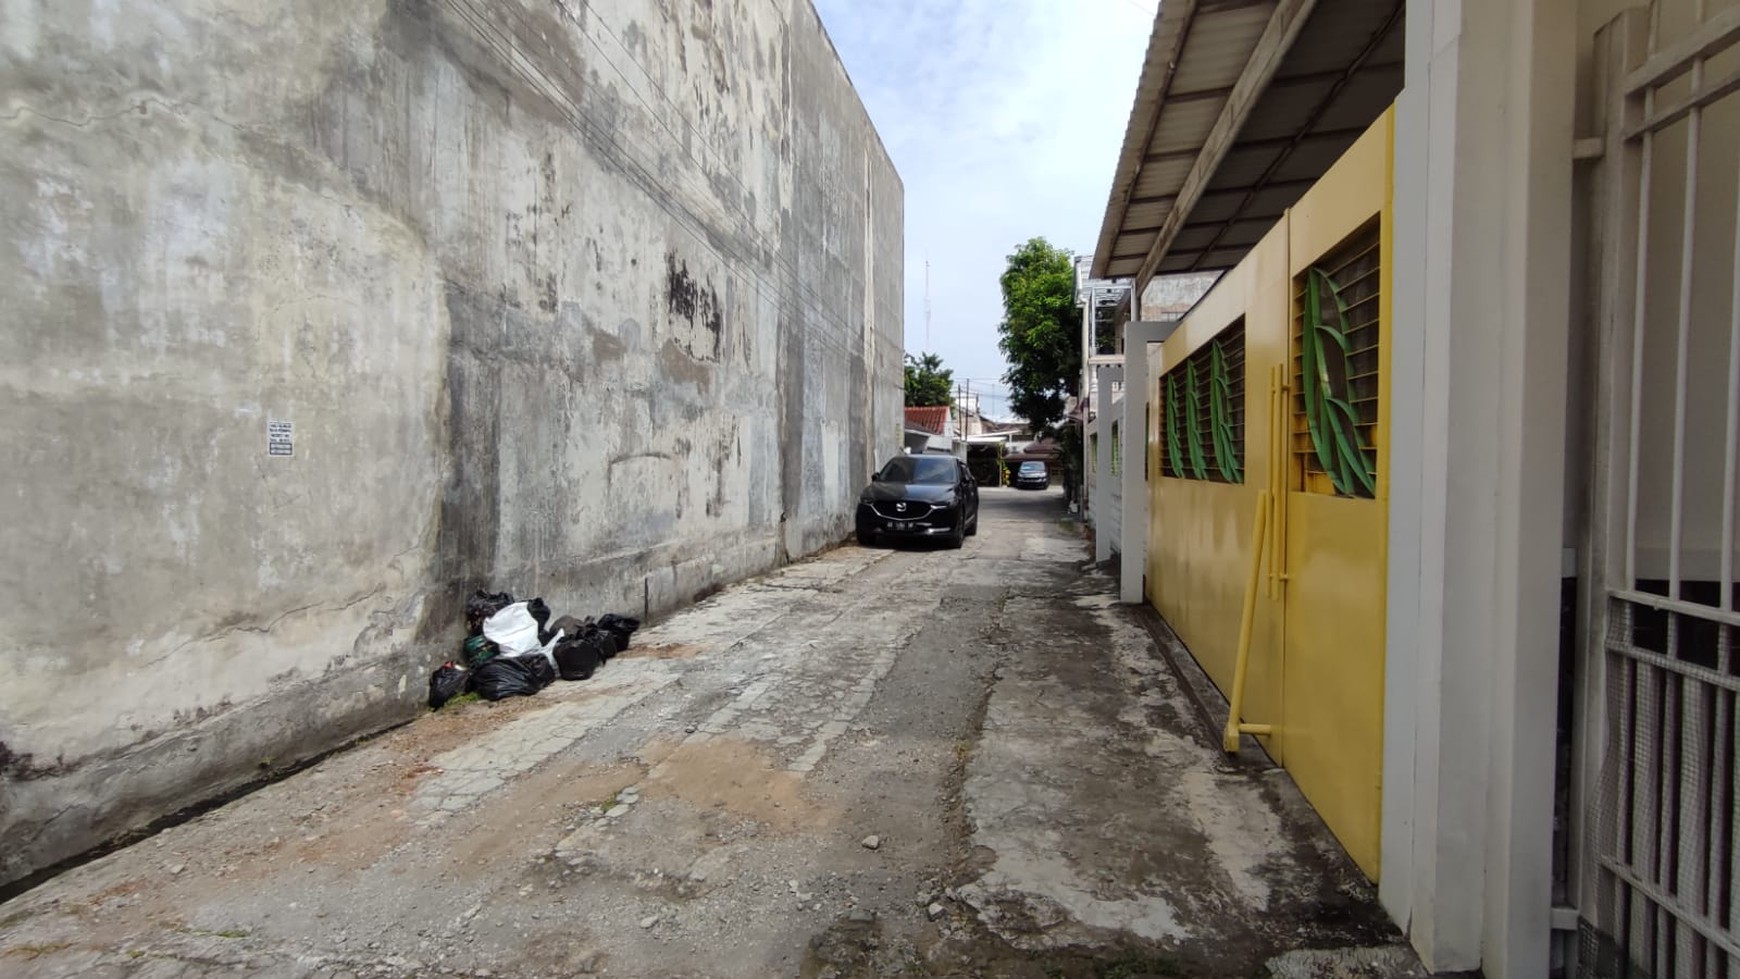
(1108, 498)
(1139, 364)
(1482, 256)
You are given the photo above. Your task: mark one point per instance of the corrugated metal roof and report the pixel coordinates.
(1341, 69)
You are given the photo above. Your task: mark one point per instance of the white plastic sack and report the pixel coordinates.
(549, 650)
(515, 633)
(513, 630)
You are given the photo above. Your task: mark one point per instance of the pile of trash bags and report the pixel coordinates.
(512, 649)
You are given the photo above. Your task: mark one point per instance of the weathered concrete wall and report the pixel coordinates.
(596, 300)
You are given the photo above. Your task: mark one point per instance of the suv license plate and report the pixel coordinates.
(903, 524)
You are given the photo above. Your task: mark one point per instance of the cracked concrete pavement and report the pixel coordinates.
(1042, 800)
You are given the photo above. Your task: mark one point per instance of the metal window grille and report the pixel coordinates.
(1147, 443)
(1172, 425)
(1662, 855)
(1335, 422)
(1202, 431)
(1666, 827)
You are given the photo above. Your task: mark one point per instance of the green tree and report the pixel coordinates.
(1041, 332)
(928, 383)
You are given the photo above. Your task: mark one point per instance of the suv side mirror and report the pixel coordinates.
(876, 477)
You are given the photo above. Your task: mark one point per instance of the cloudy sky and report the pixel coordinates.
(1004, 118)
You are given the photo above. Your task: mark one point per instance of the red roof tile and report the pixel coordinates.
(933, 419)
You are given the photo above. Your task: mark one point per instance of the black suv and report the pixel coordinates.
(917, 497)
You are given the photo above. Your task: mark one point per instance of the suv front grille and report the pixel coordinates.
(892, 510)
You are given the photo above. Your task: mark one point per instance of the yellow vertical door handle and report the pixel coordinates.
(1277, 475)
(1235, 724)
(1282, 423)
(1274, 463)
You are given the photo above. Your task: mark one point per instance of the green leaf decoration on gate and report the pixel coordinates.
(1329, 413)
(1193, 430)
(1220, 417)
(1174, 448)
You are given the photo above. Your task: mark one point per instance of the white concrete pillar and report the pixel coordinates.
(1481, 273)
(1133, 433)
(1104, 377)
(1083, 397)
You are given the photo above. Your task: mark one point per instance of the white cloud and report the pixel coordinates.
(1004, 118)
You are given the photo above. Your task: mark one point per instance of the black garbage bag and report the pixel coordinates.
(505, 677)
(622, 626)
(540, 612)
(609, 643)
(448, 682)
(580, 657)
(481, 606)
(568, 626)
(541, 667)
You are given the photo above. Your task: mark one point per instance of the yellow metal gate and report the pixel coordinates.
(1291, 348)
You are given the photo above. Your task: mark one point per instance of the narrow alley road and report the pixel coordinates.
(872, 763)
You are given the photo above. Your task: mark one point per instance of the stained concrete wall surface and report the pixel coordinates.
(1169, 297)
(322, 314)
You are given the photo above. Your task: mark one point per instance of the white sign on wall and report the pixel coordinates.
(280, 438)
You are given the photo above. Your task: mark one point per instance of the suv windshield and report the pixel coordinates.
(1033, 467)
(919, 469)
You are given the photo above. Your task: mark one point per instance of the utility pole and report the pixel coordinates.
(927, 304)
